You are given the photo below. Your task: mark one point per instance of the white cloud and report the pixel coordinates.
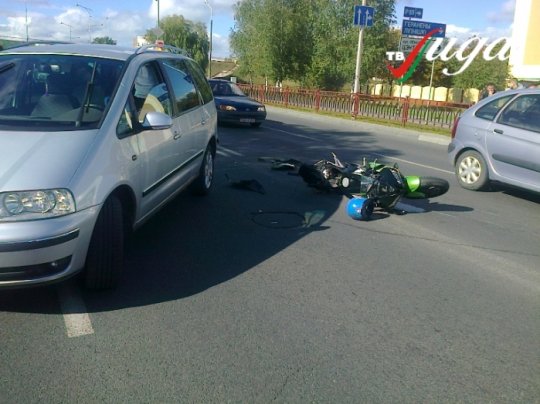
(122, 26)
(504, 14)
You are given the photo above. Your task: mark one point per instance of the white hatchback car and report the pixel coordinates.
(94, 139)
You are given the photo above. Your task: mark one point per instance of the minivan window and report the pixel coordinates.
(523, 113)
(55, 92)
(200, 80)
(492, 108)
(183, 86)
(150, 92)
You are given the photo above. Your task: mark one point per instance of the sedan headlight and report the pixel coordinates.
(261, 108)
(31, 205)
(227, 108)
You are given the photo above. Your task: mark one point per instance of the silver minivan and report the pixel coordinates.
(498, 139)
(94, 139)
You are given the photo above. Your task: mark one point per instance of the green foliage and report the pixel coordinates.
(272, 38)
(480, 72)
(311, 41)
(314, 43)
(184, 34)
(104, 40)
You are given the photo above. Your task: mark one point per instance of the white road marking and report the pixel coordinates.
(76, 318)
(444, 140)
(227, 152)
(293, 134)
(413, 163)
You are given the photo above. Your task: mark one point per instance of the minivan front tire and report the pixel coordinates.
(105, 257)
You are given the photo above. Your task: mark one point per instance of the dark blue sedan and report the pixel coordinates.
(233, 106)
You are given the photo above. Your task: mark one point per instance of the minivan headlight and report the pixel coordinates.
(31, 205)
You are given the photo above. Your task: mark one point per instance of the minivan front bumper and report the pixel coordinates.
(43, 251)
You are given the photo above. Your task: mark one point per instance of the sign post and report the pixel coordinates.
(363, 16)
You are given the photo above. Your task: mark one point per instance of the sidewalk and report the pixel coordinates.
(421, 136)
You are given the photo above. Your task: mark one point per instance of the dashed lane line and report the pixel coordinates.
(74, 310)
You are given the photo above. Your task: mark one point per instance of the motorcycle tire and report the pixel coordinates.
(432, 187)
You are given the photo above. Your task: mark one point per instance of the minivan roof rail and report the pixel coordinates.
(166, 48)
(37, 43)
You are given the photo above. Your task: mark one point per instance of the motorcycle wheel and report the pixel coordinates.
(432, 187)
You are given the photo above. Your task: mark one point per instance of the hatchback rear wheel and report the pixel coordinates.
(471, 171)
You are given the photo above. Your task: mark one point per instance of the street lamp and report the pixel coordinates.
(211, 23)
(70, 27)
(89, 11)
(157, 13)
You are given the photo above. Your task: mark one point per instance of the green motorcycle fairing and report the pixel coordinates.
(412, 183)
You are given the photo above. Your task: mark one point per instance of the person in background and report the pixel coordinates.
(513, 84)
(489, 90)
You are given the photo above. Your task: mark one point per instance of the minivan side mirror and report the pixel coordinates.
(157, 120)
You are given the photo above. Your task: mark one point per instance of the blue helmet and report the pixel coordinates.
(360, 208)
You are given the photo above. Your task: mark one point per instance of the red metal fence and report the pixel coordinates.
(403, 110)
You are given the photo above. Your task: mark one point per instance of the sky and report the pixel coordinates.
(123, 20)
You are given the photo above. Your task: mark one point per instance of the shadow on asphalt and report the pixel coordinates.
(197, 243)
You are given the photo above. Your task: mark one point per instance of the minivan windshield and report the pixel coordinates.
(55, 92)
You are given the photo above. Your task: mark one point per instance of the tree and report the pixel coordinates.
(480, 72)
(272, 38)
(311, 41)
(184, 34)
(104, 40)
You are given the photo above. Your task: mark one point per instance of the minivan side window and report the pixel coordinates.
(183, 86)
(491, 109)
(149, 93)
(523, 113)
(200, 80)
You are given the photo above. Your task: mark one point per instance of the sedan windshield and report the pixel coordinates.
(223, 88)
(55, 92)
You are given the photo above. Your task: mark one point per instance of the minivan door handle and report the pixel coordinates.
(177, 135)
(499, 131)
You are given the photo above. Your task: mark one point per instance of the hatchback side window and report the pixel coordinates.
(491, 109)
(183, 87)
(523, 113)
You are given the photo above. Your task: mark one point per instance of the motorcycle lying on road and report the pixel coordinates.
(370, 185)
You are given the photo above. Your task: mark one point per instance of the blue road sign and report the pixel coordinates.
(413, 12)
(363, 16)
(421, 28)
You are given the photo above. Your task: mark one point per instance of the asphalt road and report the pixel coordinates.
(281, 297)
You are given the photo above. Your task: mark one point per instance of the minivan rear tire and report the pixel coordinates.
(203, 183)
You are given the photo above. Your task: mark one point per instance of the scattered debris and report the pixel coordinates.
(282, 164)
(248, 185)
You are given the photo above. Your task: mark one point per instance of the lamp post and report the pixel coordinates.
(157, 13)
(210, 53)
(89, 11)
(70, 27)
(26, 18)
